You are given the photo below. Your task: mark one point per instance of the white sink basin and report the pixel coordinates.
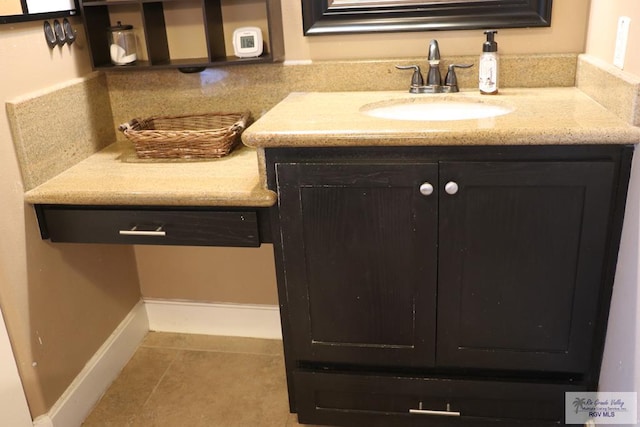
(434, 109)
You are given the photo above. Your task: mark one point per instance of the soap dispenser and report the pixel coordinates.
(488, 78)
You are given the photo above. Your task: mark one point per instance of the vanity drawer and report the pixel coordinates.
(371, 400)
(189, 227)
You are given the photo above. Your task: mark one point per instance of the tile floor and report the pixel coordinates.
(176, 380)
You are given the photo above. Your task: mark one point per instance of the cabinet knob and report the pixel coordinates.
(451, 187)
(426, 189)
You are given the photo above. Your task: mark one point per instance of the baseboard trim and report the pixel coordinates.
(240, 320)
(83, 393)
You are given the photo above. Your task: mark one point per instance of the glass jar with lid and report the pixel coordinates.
(122, 44)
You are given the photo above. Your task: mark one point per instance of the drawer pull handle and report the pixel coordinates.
(448, 412)
(158, 232)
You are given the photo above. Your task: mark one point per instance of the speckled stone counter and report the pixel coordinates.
(105, 179)
(540, 116)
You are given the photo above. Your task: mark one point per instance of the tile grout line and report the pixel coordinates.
(155, 387)
(211, 350)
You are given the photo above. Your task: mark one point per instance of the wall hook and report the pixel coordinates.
(69, 31)
(49, 35)
(60, 36)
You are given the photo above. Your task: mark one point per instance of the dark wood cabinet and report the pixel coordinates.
(362, 261)
(521, 256)
(156, 49)
(434, 277)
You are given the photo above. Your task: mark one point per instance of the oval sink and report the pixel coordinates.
(434, 110)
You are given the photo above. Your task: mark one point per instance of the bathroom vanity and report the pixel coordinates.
(443, 273)
(455, 285)
(430, 272)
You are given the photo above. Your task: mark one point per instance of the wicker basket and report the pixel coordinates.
(201, 136)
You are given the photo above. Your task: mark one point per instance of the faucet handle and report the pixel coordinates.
(416, 79)
(451, 79)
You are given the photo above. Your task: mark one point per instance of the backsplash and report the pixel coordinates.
(54, 129)
(616, 90)
(258, 88)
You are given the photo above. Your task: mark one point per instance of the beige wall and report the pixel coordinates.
(60, 302)
(603, 26)
(239, 275)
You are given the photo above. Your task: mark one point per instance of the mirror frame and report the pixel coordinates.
(26, 16)
(322, 17)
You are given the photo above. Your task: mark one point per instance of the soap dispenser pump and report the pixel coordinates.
(488, 78)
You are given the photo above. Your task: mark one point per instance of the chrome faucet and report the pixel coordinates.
(434, 79)
(433, 76)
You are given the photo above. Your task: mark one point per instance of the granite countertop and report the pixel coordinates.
(108, 178)
(539, 117)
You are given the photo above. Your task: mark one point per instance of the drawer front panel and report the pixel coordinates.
(153, 227)
(354, 399)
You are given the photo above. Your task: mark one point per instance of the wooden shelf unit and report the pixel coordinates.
(154, 43)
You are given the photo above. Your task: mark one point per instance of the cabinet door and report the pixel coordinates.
(358, 250)
(522, 247)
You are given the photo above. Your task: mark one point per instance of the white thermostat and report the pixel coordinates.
(247, 42)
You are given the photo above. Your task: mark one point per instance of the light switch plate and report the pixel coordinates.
(622, 36)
